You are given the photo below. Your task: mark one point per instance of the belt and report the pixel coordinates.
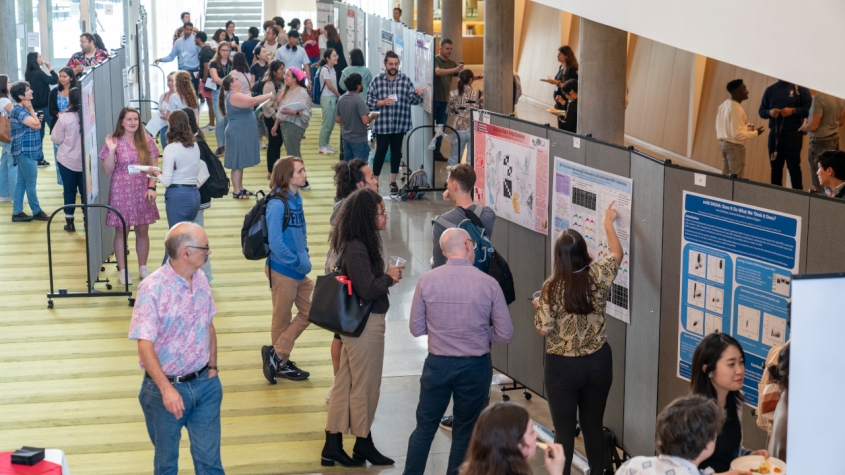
(184, 378)
(179, 185)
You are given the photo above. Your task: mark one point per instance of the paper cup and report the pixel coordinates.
(397, 261)
(537, 294)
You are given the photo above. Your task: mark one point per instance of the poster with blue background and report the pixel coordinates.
(736, 271)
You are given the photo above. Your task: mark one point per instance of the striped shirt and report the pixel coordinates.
(395, 119)
(25, 139)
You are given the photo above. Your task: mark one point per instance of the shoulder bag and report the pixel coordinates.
(335, 306)
(5, 128)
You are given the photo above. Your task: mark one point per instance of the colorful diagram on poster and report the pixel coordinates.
(512, 175)
(737, 263)
(385, 46)
(581, 196)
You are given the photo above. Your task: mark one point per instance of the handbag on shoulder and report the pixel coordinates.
(5, 129)
(335, 306)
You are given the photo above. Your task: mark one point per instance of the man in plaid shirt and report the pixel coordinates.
(89, 56)
(391, 95)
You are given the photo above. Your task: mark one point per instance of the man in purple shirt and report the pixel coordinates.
(177, 346)
(463, 311)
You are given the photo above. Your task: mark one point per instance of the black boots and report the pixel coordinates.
(69, 227)
(333, 452)
(365, 450)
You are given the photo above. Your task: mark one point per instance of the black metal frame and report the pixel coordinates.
(91, 292)
(406, 187)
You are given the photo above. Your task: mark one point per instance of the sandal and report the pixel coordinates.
(240, 195)
(247, 193)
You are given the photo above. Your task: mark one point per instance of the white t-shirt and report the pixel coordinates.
(327, 74)
(176, 104)
(4, 101)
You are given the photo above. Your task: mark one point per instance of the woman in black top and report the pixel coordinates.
(718, 369)
(567, 70)
(230, 33)
(333, 42)
(355, 392)
(40, 83)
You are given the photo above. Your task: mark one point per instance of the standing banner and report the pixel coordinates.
(737, 263)
(581, 196)
(512, 175)
(89, 126)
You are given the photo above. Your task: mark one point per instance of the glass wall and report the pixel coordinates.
(63, 29)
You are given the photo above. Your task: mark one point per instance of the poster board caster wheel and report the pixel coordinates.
(108, 286)
(103, 269)
(505, 397)
(49, 304)
(131, 302)
(527, 396)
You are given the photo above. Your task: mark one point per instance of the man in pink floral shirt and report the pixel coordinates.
(177, 345)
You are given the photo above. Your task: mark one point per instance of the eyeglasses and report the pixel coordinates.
(206, 248)
(474, 243)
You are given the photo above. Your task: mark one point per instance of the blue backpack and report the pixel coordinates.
(484, 248)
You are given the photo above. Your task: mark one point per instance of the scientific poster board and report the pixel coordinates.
(325, 13)
(399, 46)
(350, 30)
(360, 30)
(581, 196)
(89, 127)
(512, 175)
(737, 263)
(385, 45)
(424, 68)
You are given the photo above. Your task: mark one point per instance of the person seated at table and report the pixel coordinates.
(686, 436)
(718, 369)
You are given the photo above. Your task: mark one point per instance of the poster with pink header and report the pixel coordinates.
(512, 175)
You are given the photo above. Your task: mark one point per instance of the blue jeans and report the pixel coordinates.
(467, 381)
(221, 122)
(72, 183)
(439, 119)
(56, 159)
(315, 88)
(27, 175)
(8, 172)
(457, 151)
(162, 136)
(356, 150)
(201, 397)
(182, 204)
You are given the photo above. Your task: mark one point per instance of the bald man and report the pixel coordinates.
(177, 345)
(463, 312)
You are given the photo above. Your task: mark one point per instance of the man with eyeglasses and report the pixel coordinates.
(463, 312)
(177, 346)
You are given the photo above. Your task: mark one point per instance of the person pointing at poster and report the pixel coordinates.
(579, 362)
(391, 94)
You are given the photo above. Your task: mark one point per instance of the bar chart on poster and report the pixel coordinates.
(737, 264)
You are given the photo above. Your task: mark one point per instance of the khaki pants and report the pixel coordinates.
(733, 158)
(357, 384)
(817, 146)
(284, 330)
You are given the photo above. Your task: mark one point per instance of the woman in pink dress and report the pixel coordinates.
(133, 195)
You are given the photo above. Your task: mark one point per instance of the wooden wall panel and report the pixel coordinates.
(659, 93)
(538, 57)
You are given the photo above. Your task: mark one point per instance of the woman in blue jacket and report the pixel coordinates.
(287, 268)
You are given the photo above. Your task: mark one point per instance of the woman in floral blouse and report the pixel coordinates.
(579, 362)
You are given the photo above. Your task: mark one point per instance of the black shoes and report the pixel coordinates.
(364, 450)
(273, 366)
(43, 163)
(41, 216)
(69, 227)
(21, 218)
(438, 157)
(268, 359)
(446, 422)
(333, 453)
(394, 188)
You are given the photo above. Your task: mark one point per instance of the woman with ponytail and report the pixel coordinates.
(579, 362)
(461, 101)
(241, 132)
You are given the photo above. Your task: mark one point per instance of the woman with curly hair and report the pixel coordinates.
(355, 393)
(504, 440)
(184, 96)
(579, 362)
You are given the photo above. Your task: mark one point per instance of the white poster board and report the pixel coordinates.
(360, 30)
(581, 196)
(424, 68)
(350, 30)
(385, 45)
(737, 263)
(512, 175)
(89, 126)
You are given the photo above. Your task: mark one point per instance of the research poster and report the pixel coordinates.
(325, 13)
(512, 175)
(350, 30)
(581, 196)
(737, 263)
(385, 45)
(89, 125)
(424, 68)
(399, 48)
(360, 29)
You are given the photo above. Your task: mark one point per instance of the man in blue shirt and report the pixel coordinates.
(293, 55)
(187, 54)
(786, 105)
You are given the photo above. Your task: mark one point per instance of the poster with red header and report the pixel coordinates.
(512, 175)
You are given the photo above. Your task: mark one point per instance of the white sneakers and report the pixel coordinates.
(327, 150)
(143, 272)
(123, 277)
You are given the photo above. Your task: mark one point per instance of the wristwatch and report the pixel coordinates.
(152, 188)
(213, 368)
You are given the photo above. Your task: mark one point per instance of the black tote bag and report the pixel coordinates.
(335, 306)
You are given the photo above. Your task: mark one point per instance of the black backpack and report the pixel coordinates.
(217, 185)
(257, 88)
(612, 460)
(498, 267)
(255, 238)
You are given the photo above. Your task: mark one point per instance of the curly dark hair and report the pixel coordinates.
(347, 175)
(357, 220)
